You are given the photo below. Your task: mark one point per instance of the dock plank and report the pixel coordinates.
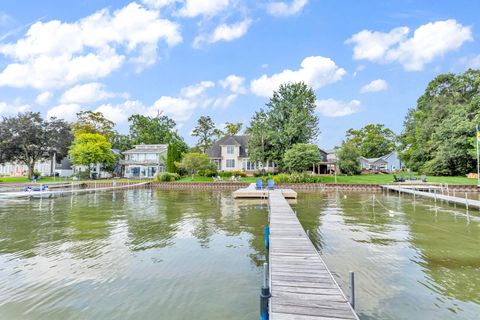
(302, 287)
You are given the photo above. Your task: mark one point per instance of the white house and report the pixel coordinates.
(145, 160)
(20, 170)
(230, 153)
(389, 162)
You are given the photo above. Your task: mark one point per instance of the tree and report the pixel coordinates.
(301, 156)
(194, 162)
(121, 142)
(373, 140)
(93, 122)
(91, 148)
(438, 136)
(205, 131)
(288, 119)
(232, 129)
(27, 138)
(155, 130)
(174, 155)
(349, 159)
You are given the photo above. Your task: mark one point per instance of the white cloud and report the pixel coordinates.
(180, 109)
(120, 112)
(224, 102)
(428, 42)
(87, 93)
(67, 112)
(97, 45)
(7, 108)
(224, 32)
(375, 86)
(472, 62)
(43, 98)
(316, 71)
(206, 8)
(283, 9)
(157, 4)
(373, 45)
(227, 32)
(234, 83)
(337, 108)
(196, 90)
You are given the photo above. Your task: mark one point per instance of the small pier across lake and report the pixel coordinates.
(436, 195)
(301, 286)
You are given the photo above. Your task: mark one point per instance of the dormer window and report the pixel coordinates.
(230, 149)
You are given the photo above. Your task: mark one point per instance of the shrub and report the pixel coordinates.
(207, 172)
(297, 178)
(82, 175)
(36, 174)
(228, 174)
(167, 177)
(257, 173)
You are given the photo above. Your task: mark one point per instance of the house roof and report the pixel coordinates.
(373, 160)
(215, 151)
(147, 148)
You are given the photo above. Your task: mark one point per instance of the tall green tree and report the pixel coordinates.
(154, 130)
(89, 149)
(121, 142)
(206, 132)
(438, 136)
(28, 138)
(373, 140)
(194, 162)
(301, 156)
(232, 128)
(289, 118)
(349, 158)
(174, 155)
(93, 122)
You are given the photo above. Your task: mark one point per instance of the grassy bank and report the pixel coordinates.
(359, 179)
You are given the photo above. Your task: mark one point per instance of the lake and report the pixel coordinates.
(155, 254)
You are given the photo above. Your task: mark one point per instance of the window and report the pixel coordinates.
(230, 163)
(230, 149)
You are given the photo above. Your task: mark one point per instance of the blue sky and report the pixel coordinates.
(367, 61)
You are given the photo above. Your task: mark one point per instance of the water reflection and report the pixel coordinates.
(171, 255)
(412, 260)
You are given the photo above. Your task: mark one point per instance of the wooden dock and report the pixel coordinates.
(252, 193)
(301, 285)
(469, 203)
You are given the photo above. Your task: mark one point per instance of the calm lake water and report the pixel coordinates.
(153, 254)
(136, 254)
(412, 260)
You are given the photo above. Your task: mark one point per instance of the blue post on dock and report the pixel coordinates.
(264, 294)
(266, 233)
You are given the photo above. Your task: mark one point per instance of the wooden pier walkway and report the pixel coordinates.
(470, 203)
(301, 285)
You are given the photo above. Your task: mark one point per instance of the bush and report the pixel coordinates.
(167, 177)
(36, 174)
(257, 173)
(228, 174)
(297, 178)
(207, 172)
(82, 175)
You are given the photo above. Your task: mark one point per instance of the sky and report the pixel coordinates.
(367, 61)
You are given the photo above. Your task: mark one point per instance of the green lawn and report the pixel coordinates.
(359, 179)
(388, 178)
(209, 179)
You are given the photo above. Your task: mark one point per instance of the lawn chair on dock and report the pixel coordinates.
(270, 184)
(424, 178)
(412, 177)
(259, 184)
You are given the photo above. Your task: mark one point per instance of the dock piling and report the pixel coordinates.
(264, 294)
(352, 289)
